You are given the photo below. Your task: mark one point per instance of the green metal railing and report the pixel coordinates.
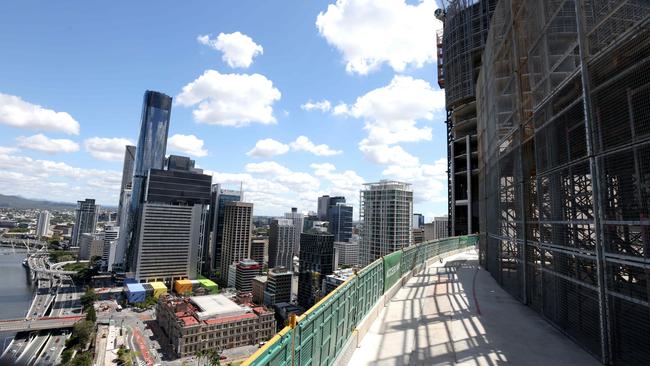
(317, 337)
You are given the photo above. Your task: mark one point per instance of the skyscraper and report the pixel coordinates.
(340, 221)
(237, 226)
(85, 220)
(316, 262)
(218, 199)
(171, 222)
(298, 221)
(386, 214)
(323, 204)
(282, 234)
(149, 154)
(43, 224)
(127, 180)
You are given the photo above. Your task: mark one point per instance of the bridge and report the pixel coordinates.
(428, 304)
(43, 323)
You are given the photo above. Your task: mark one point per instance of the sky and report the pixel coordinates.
(294, 99)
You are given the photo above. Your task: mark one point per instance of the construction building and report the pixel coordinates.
(198, 323)
(460, 47)
(560, 104)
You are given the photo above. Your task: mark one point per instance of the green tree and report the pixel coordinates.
(82, 359)
(66, 355)
(91, 314)
(88, 299)
(124, 356)
(82, 332)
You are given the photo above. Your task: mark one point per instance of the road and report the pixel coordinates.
(454, 313)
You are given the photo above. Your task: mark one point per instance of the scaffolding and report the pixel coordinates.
(563, 101)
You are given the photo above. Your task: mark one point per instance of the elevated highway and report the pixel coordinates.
(44, 323)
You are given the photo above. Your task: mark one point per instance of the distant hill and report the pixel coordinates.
(24, 203)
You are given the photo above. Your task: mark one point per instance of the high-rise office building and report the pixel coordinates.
(258, 248)
(111, 234)
(237, 227)
(247, 269)
(149, 154)
(43, 224)
(85, 220)
(127, 181)
(298, 222)
(316, 262)
(170, 225)
(437, 229)
(119, 257)
(282, 234)
(340, 221)
(278, 286)
(323, 204)
(386, 214)
(91, 246)
(218, 199)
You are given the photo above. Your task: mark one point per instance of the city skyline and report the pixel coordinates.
(323, 125)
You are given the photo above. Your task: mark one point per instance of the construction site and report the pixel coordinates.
(548, 105)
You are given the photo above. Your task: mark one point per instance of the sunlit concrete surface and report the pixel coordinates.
(437, 320)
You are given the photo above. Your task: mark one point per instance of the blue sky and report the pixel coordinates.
(294, 98)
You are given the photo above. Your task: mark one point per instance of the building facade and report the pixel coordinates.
(347, 253)
(564, 141)
(85, 220)
(258, 285)
(298, 222)
(386, 214)
(340, 221)
(282, 234)
(316, 262)
(259, 250)
(211, 322)
(237, 228)
(218, 200)
(91, 246)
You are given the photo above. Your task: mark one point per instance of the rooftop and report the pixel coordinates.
(216, 306)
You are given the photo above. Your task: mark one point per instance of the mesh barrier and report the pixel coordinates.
(321, 332)
(563, 101)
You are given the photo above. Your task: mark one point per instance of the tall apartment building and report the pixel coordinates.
(149, 154)
(278, 286)
(564, 170)
(171, 222)
(218, 199)
(316, 261)
(282, 234)
(247, 269)
(340, 221)
(237, 227)
(386, 214)
(43, 224)
(85, 220)
(298, 221)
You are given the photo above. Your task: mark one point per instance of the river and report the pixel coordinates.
(15, 289)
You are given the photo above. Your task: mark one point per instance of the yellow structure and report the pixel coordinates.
(182, 286)
(159, 288)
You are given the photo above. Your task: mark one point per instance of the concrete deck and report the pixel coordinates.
(454, 313)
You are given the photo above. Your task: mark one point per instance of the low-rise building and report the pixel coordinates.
(259, 285)
(335, 279)
(211, 322)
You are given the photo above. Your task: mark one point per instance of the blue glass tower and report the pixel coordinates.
(340, 221)
(149, 154)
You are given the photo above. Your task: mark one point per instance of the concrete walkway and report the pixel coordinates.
(437, 320)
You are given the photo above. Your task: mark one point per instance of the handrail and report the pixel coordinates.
(284, 351)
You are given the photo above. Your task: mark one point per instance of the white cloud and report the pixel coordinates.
(297, 181)
(7, 150)
(230, 99)
(302, 143)
(388, 155)
(268, 147)
(323, 106)
(429, 180)
(16, 112)
(188, 144)
(341, 109)
(369, 33)
(57, 181)
(267, 167)
(41, 142)
(238, 49)
(109, 149)
(346, 183)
